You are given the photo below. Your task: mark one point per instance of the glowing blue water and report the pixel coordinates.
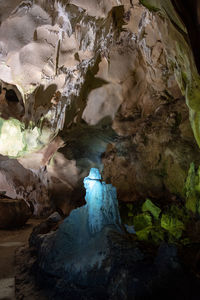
(102, 202)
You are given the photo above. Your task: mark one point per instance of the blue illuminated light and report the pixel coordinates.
(102, 202)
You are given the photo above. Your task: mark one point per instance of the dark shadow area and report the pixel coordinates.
(86, 144)
(11, 96)
(10, 105)
(189, 11)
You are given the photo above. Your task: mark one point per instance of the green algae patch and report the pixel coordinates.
(154, 225)
(172, 225)
(176, 176)
(192, 190)
(157, 234)
(147, 228)
(148, 206)
(152, 5)
(180, 58)
(142, 225)
(166, 8)
(193, 94)
(130, 209)
(142, 221)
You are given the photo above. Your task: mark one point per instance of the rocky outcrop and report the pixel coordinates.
(90, 256)
(135, 273)
(46, 226)
(13, 213)
(150, 147)
(18, 182)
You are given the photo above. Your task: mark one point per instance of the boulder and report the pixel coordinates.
(13, 213)
(73, 263)
(48, 225)
(22, 182)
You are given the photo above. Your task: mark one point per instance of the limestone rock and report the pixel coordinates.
(89, 256)
(22, 183)
(108, 80)
(13, 213)
(109, 265)
(50, 224)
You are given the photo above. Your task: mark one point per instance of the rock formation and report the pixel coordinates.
(13, 213)
(111, 86)
(90, 256)
(108, 80)
(18, 182)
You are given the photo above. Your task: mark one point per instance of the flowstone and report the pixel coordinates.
(77, 251)
(101, 201)
(89, 257)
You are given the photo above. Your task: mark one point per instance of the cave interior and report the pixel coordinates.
(99, 149)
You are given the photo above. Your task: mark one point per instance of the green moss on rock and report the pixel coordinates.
(173, 225)
(148, 206)
(154, 225)
(152, 5)
(142, 225)
(130, 209)
(180, 59)
(142, 221)
(175, 176)
(192, 190)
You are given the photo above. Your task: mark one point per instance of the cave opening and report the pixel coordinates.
(10, 95)
(11, 105)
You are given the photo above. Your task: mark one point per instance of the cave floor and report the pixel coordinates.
(10, 241)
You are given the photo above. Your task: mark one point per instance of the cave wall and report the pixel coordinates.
(104, 84)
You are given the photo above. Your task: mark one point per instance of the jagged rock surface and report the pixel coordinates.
(18, 182)
(60, 264)
(90, 256)
(108, 80)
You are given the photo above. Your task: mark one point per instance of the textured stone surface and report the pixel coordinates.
(18, 182)
(108, 80)
(7, 288)
(107, 84)
(127, 272)
(13, 213)
(90, 256)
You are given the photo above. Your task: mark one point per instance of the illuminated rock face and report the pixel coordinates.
(101, 201)
(107, 79)
(81, 244)
(18, 182)
(90, 257)
(45, 58)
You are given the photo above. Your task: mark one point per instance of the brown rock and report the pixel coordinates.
(13, 213)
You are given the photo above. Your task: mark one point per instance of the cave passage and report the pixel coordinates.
(10, 105)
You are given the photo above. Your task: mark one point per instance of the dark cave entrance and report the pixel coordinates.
(11, 104)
